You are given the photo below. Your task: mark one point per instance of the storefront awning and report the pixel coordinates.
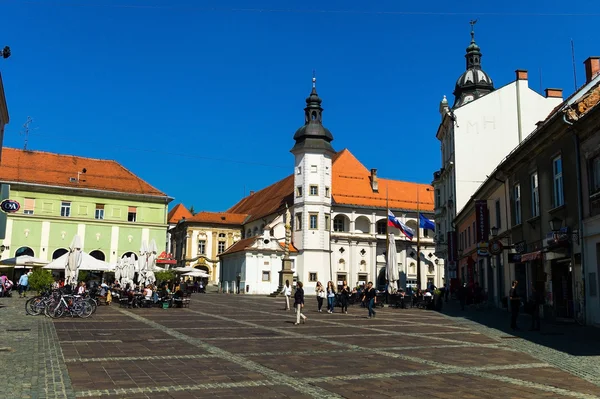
(531, 256)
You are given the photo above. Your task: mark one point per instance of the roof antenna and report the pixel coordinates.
(574, 68)
(26, 131)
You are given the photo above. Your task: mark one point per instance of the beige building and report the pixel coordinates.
(197, 240)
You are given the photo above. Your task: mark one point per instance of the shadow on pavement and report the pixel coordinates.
(570, 338)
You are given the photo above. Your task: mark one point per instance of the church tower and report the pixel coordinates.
(474, 82)
(313, 155)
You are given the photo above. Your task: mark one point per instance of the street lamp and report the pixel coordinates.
(555, 224)
(494, 231)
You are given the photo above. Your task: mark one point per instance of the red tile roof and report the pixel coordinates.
(351, 185)
(218, 218)
(246, 243)
(266, 201)
(51, 169)
(178, 212)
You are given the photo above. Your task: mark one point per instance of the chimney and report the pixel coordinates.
(521, 74)
(553, 93)
(592, 68)
(251, 192)
(374, 182)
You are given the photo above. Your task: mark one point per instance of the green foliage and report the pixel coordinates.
(166, 275)
(40, 279)
(437, 292)
(192, 210)
(82, 276)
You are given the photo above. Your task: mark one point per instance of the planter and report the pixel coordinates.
(438, 302)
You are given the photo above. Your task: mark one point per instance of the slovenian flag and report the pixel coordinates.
(395, 222)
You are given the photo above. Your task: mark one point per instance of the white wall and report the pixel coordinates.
(487, 130)
(592, 239)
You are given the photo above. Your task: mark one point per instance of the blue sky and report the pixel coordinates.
(202, 98)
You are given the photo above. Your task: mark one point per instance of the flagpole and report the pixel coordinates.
(418, 243)
(387, 225)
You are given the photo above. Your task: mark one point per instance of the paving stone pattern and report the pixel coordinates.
(236, 346)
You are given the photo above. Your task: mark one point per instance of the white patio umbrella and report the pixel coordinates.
(118, 269)
(88, 262)
(185, 269)
(142, 263)
(131, 268)
(73, 261)
(391, 267)
(196, 273)
(23, 260)
(151, 262)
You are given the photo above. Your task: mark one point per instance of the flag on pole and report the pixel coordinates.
(425, 223)
(397, 223)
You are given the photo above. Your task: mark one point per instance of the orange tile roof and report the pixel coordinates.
(178, 212)
(246, 243)
(219, 218)
(266, 201)
(46, 168)
(351, 185)
(239, 246)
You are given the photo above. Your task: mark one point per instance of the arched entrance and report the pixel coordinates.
(58, 253)
(204, 268)
(24, 251)
(128, 255)
(98, 255)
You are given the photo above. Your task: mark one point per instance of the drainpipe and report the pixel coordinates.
(580, 211)
(519, 123)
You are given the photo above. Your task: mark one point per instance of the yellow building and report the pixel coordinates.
(197, 240)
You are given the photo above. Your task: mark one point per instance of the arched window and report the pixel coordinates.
(363, 265)
(382, 226)
(24, 251)
(341, 223)
(98, 255)
(128, 255)
(249, 233)
(256, 230)
(362, 224)
(58, 253)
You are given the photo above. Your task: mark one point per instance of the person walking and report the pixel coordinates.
(320, 291)
(287, 291)
(330, 296)
(515, 304)
(535, 303)
(23, 285)
(299, 303)
(370, 297)
(345, 296)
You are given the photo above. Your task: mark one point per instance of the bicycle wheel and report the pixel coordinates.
(55, 310)
(87, 310)
(30, 306)
(93, 304)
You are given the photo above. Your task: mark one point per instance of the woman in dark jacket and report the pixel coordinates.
(299, 303)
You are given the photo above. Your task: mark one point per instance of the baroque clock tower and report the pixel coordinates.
(311, 216)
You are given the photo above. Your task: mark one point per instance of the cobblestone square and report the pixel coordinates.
(230, 346)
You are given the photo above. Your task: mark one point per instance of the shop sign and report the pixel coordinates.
(482, 249)
(521, 247)
(10, 206)
(482, 221)
(496, 247)
(514, 258)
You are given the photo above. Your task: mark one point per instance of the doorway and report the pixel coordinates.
(562, 288)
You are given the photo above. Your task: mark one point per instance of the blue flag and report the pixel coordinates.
(425, 223)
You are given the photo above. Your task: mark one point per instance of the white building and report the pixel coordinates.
(482, 127)
(338, 211)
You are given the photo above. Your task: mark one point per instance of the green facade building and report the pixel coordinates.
(109, 207)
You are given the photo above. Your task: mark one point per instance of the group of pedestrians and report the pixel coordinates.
(369, 297)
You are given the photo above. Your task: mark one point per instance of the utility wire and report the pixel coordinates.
(305, 11)
(170, 154)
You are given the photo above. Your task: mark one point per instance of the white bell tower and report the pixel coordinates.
(311, 216)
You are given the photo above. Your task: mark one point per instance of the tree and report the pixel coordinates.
(192, 211)
(40, 279)
(165, 275)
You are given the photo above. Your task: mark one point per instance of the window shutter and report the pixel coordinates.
(132, 209)
(29, 204)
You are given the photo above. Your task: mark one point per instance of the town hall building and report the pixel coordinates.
(337, 211)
